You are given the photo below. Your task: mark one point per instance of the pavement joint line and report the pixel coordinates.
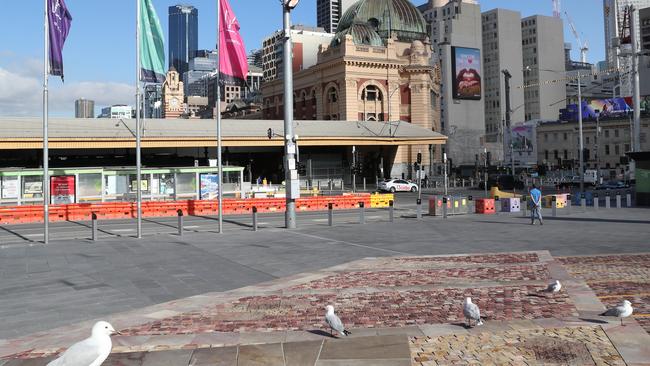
(623, 295)
(348, 243)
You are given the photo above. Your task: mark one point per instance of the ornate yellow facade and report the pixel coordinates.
(173, 95)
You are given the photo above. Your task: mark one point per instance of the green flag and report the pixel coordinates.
(152, 48)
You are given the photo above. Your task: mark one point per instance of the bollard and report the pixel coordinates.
(94, 226)
(362, 213)
(628, 198)
(568, 203)
(330, 214)
(596, 201)
(470, 202)
(180, 222)
(419, 209)
(583, 201)
(463, 183)
(524, 206)
(364, 184)
(330, 184)
(554, 205)
(254, 218)
(391, 216)
(444, 207)
(608, 204)
(618, 199)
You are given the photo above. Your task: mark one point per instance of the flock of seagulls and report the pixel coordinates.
(94, 350)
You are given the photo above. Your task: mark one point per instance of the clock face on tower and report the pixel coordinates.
(173, 103)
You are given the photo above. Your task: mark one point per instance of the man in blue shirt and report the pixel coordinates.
(535, 205)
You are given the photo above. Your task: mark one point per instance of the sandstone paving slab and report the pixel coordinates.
(302, 353)
(261, 355)
(222, 356)
(367, 348)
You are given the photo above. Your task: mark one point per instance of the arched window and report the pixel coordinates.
(332, 95)
(303, 96)
(313, 97)
(371, 94)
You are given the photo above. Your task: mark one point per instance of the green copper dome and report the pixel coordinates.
(362, 34)
(398, 17)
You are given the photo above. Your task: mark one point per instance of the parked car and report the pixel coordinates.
(397, 185)
(612, 186)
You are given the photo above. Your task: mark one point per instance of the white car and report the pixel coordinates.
(397, 185)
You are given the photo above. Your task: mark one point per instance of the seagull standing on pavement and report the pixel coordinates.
(622, 311)
(91, 351)
(554, 287)
(471, 312)
(334, 322)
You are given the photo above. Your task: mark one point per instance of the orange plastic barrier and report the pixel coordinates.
(485, 206)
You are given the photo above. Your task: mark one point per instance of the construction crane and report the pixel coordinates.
(557, 9)
(584, 47)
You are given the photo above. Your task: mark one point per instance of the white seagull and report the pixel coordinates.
(554, 287)
(471, 312)
(91, 351)
(334, 322)
(622, 311)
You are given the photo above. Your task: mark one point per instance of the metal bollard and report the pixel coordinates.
(180, 222)
(362, 213)
(444, 207)
(628, 198)
(419, 209)
(391, 215)
(330, 214)
(94, 226)
(463, 183)
(583, 202)
(524, 206)
(470, 203)
(596, 201)
(608, 204)
(364, 184)
(254, 218)
(618, 199)
(568, 203)
(554, 205)
(496, 204)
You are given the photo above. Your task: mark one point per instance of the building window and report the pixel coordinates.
(332, 95)
(546, 155)
(616, 132)
(565, 136)
(555, 154)
(371, 93)
(566, 154)
(627, 147)
(606, 149)
(606, 133)
(587, 140)
(617, 149)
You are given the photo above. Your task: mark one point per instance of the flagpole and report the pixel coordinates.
(46, 172)
(220, 177)
(138, 161)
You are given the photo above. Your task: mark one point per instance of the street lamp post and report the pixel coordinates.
(581, 155)
(291, 174)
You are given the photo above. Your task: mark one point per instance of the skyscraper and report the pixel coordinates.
(328, 13)
(84, 108)
(183, 36)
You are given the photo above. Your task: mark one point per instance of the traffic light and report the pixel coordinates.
(416, 166)
(269, 133)
(419, 158)
(451, 165)
(302, 169)
(488, 158)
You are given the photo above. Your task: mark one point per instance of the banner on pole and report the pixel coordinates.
(232, 53)
(59, 20)
(152, 47)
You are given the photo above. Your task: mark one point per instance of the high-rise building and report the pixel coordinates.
(118, 111)
(195, 80)
(84, 108)
(253, 83)
(183, 36)
(501, 51)
(306, 41)
(614, 19)
(543, 63)
(256, 58)
(456, 36)
(329, 12)
(153, 101)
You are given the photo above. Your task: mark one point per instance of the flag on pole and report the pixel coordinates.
(232, 53)
(59, 20)
(152, 48)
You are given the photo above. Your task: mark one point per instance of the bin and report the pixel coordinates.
(485, 206)
(510, 205)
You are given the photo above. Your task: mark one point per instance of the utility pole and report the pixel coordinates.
(507, 77)
(292, 184)
(582, 157)
(635, 73)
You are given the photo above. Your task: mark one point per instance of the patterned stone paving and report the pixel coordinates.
(428, 277)
(615, 278)
(555, 346)
(505, 258)
(365, 310)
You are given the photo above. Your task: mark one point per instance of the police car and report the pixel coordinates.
(397, 185)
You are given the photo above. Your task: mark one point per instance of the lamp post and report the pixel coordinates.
(292, 184)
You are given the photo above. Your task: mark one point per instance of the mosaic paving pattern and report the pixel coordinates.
(362, 310)
(428, 277)
(558, 346)
(506, 258)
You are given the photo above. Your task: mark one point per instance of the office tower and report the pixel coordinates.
(543, 61)
(183, 36)
(329, 12)
(195, 80)
(84, 108)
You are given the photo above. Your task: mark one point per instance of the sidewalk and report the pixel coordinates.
(401, 310)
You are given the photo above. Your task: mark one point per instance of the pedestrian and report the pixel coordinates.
(535, 205)
(426, 181)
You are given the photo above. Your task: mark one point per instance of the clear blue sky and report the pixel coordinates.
(100, 51)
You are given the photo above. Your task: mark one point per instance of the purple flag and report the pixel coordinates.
(59, 25)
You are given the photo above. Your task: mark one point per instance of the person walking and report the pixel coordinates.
(536, 205)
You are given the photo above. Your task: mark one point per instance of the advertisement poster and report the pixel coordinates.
(62, 189)
(613, 107)
(209, 186)
(10, 187)
(522, 138)
(466, 68)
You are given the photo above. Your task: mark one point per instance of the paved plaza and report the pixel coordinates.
(244, 297)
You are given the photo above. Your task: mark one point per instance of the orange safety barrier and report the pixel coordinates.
(485, 206)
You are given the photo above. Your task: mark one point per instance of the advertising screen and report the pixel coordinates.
(62, 189)
(466, 70)
(209, 186)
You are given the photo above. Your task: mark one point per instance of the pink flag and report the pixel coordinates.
(232, 53)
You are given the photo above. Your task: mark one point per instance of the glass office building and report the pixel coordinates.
(183, 36)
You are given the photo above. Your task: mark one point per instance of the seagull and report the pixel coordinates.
(622, 311)
(91, 351)
(334, 322)
(554, 287)
(471, 312)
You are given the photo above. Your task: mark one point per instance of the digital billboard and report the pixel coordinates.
(466, 70)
